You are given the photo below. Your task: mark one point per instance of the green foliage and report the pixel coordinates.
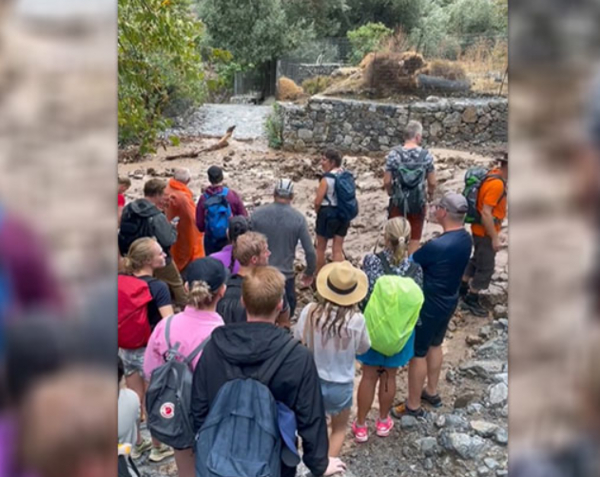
(392, 13)
(254, 31)
(324, 16)
(316, 85)
(159, 62)
(473, 17)
(274, 127)
(366, 39)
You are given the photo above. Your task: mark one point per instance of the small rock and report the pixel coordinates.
(464, 445)
(485, 332)
(501, 378)
(432, 99)
(504, 411)
(456, 422)
(482, 369)
(504, 323)
(452, 326)
(490, 463)
(428, 464)
(451, 376)
(498, 394)
(441, 421)
(501, 436)
(502, 473)
(473, 340)
(474, 408)
(463, 400)
(483, 428)
(408, 422)
(500, 311)
(483, 471)
(428, 445)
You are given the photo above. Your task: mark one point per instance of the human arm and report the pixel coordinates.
(487, 220)
(387, 182)
(237, 206)
(392, 161)
(200, 214)
(431, 184)
(309, 251)
(166, 311)
(165, 233)
(162, 297)
(321, 192)
(364, 342)
(310, 418)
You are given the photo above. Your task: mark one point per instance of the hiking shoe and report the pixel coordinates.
(158, 454)
(434, 400)
(384, 427)
(361, 433)
(141, 448)
(464, 289)
(472, 304)
(403, 410)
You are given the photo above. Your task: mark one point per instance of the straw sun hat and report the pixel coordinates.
(342, 284)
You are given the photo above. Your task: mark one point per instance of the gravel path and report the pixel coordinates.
(214, 119)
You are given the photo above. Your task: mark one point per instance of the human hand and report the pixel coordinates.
(306, 281)
(335, 466)
(496, 245)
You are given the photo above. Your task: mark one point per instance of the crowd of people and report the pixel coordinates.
(209, 287)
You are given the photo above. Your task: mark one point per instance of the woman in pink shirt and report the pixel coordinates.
(206, 286)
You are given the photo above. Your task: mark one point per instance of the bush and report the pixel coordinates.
(287, 90)
(316, 85)
(274, 127)
(366, 39)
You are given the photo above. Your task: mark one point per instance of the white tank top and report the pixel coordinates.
(330, 198)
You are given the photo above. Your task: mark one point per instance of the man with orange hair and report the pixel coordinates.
(181, 207)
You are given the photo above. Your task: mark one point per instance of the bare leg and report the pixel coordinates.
(136, 383)
(338, 249)
(366, 393)
(321, 249)
(185, 463)
(434, 367)
(386, 396)
(417, 373)
(339, 424)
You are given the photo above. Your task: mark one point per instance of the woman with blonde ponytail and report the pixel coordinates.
(205, 286)
(378, 368)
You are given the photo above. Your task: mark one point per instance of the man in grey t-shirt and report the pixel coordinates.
(284, 226)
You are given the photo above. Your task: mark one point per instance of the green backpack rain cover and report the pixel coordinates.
(392, 313)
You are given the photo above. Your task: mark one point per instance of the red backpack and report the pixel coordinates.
(134, 327)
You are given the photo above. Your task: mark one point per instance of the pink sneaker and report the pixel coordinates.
(384, 427)
(361, 433)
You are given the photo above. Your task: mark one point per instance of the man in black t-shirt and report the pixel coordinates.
(443, 260)
(251, 250)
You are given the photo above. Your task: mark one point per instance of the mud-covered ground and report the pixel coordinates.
(252, 168)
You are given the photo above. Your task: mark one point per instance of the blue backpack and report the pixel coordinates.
(241, 435)
(217, 212)
(345, 190)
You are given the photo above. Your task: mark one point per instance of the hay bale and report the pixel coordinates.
(388, 73)
(287, 90)
(446, 69)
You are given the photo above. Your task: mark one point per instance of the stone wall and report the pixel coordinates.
(309, 70)
(363, 126)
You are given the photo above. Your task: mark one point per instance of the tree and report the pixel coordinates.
(367, 38)
(392, 13)
(254, 31)
(324, 16)
(158, 60)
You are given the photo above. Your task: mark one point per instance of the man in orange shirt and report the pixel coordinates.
(180, 204)
(491, 205)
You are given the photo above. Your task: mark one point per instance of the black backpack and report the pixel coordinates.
(241, 435)
(169, 396)
(409, 186)
(345, 191)
(230, 306)
(133, 227)
(387, 269)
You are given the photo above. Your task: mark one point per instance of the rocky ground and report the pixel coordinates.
(468, 434)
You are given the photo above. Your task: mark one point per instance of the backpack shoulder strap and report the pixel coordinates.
(412, 270)
(267, 371)
(384, 263)
(496, 176)
(423, 154)
(168, 333)
(225, 191)
(197, 351)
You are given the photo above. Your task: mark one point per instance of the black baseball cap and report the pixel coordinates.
(238, 225)
(207, 269)
(215, 174)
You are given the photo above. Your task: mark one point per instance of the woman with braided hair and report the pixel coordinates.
(392, 260)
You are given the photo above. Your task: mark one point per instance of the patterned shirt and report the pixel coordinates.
(408, 157)
(373, 267)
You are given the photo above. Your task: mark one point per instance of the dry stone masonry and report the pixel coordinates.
(368, 126)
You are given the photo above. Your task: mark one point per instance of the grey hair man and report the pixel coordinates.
(409, 180)
(284, 227)
(183, 175)
(443, 260)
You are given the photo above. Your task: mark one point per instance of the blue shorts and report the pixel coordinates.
(336, 396)
(375, 358)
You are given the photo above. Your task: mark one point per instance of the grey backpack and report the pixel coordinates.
(409, 191)
(241, 435)
(168, 398)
